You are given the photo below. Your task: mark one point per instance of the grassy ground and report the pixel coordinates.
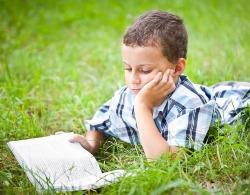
(60, 61)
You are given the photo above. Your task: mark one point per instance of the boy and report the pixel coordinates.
(159, 107)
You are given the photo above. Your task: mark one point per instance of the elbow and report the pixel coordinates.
(171, 151)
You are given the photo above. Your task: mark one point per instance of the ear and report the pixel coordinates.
(180, 66)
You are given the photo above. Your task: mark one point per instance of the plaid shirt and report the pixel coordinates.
(183, 119)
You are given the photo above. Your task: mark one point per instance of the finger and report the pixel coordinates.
(80, 139)
(166, 74)
(155, 80)
(157, 77)
(76, 138)
(167, 83)
(170, 77)
(170, 86)
(169, 90)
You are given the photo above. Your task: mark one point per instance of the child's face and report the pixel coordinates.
(141, 65)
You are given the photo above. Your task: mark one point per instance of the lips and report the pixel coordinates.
(135, 90)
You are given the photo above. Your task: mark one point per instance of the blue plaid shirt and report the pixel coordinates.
(183, 119)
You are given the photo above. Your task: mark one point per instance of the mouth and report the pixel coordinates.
(135, 91)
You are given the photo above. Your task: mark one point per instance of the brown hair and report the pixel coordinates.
(159, 29)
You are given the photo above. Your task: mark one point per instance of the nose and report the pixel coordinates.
(134, 78)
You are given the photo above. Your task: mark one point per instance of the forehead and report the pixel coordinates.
(131, 52)
(136, 55)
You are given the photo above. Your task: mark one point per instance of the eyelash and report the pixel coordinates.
(142, 71)
(146, 71)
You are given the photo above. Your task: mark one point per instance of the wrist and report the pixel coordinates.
(143, 108)
(94, 140)
(92, 146)
(139, 104)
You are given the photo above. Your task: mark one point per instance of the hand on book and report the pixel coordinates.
(91, 141)
(81, 140)
(84, 142)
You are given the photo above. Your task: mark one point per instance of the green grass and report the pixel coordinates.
(60, 61)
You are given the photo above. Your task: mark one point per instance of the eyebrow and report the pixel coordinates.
(139, 64)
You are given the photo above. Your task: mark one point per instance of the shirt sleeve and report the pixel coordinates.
(100, 121)
(190, 129)
(111, 119)
(232, 97)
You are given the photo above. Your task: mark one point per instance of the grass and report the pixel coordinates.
(60, 61)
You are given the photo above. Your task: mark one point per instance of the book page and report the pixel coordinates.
(53, 159)
(100, 180)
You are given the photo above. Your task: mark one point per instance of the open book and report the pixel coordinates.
(52, 163)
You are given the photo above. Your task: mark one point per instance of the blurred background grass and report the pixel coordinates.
(63, 58)
(60, 60)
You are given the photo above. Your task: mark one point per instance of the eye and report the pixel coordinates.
(145, 71)
(128, 69)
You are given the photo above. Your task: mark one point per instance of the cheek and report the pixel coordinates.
(126, 75)
(148, 77)
(163, 69)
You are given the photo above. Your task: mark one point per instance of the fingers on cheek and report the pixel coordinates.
(154, 82)
(162, 82)
(160, 75)
(170, 84)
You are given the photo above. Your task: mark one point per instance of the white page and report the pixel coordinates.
(54, 157)
(92, 182)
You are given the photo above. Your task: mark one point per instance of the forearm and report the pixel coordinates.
(154, 145)
(95, 139)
